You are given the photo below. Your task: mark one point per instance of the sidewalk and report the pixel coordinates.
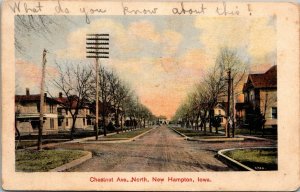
(72, 141)
(249, 137)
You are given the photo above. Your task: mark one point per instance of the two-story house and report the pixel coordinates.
(260, 96)
(84, 118)
(220, 111)
(27, 113)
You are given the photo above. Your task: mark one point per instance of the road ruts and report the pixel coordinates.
(159, 150)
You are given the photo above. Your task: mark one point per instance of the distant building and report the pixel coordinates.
(220, 111)
(260, 96)
(27, 112)
(162, 120)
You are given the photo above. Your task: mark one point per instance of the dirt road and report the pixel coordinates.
(159, 150)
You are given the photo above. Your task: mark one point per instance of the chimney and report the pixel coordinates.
(60, 94)
(27, 92)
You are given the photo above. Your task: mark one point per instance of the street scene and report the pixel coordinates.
(159, 150)
(142, 94)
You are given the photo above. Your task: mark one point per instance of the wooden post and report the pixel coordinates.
(97, 47)
(39, 147)
(97, 97)
(228, 100)
(233, 108)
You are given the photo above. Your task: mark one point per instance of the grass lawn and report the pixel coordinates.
(30, 143)
(129, 134)
(44, 160)
(267, 131)
(195, 133)
(257, 159)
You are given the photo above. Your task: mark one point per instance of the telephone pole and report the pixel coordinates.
(97, 47)
(233, 108)
(39, 147)
(228, 101)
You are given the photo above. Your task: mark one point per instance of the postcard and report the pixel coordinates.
(150, 95)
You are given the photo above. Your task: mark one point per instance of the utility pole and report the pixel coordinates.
(39, 147)
(97, 47)
(228, 101)
(233, 108)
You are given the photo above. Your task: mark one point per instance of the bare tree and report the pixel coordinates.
(39, 25)
(75, 83)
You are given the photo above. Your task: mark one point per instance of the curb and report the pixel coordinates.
(235, 164)
(118, 140)
(181, 134)
(72, 163)
(207, 140)
(134, 138)
(217, 140)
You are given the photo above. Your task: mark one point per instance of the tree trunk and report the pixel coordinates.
(104, 126)
(121, 122)
(18, 133)
(210, 127)
(73, 127)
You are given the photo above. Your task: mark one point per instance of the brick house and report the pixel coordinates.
(27, 111)
(260, 96)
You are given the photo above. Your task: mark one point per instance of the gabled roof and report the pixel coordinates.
(264, 80)
(72, 102)
(33, 98)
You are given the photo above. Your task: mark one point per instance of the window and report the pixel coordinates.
(251, 97)
(219, 112)
(59, 111)
(38, 107)
(274, 112)
(83, 121)
(67, 122)
(246, 97)
(51, 108)
(51, 123)
(60, 122)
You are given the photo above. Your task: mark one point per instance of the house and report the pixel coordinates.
(260, 97)
(84, 118)
(27, 113)
(162, 120)
(220, 111)
(109, 111)
(240, 113)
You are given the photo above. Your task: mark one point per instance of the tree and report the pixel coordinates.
(75, 83)
(228, 61)
(39, 25)
(201, 102)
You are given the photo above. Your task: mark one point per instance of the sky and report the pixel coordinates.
(161, 57)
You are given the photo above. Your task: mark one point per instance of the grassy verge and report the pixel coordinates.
(268, 132)
(29, 143)
(195, 133)
(129, 134)
(41, 161)
(257, 159)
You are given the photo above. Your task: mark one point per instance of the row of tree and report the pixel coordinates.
(77, 83)
(198, 108)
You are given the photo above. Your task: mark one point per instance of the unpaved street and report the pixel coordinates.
(159, 150)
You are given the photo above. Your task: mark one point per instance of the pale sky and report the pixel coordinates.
(161, 57)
